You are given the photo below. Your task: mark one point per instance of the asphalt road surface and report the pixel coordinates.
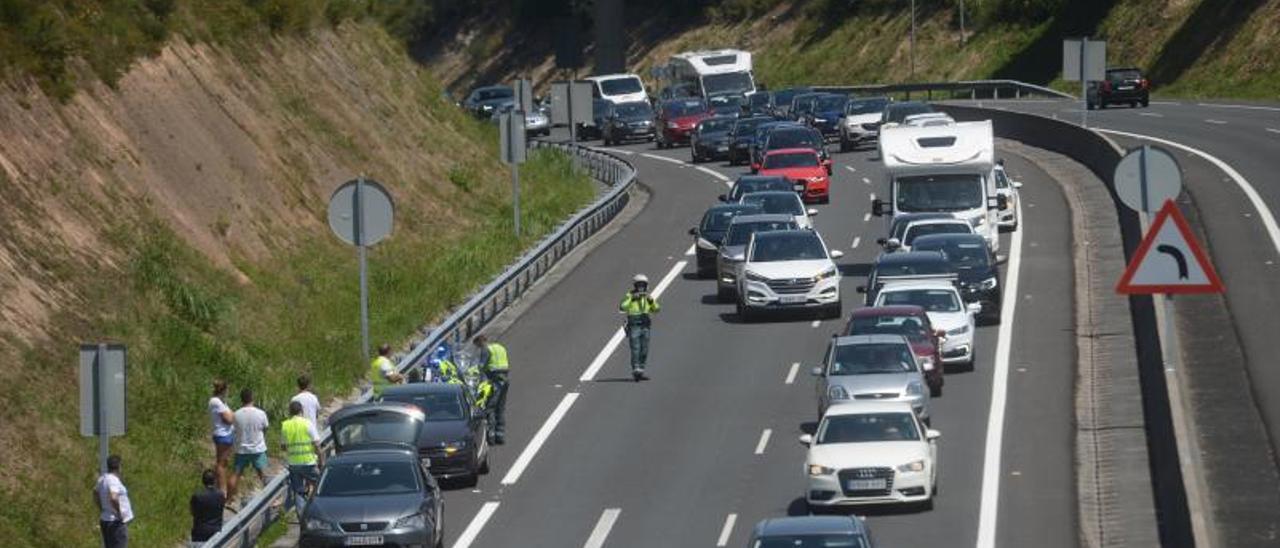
(700, 453)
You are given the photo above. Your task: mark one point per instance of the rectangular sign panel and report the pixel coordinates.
(1094, 60)
(102, 389)
(511, 137)
(524, 94)
(581, 103)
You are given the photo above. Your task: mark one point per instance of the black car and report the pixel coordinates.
(746, 184)
(628, 121)
(741, 137)
(898, 226)
(482, 102)
(374, 497)
(909, 265)
(456, 434)
(710, 233)
(896, 113)
(780, 101)
(758, 103)
(1124, 85)
(825, 116)
(726, 105)
(710, 139)
(755, 152)
(979, 272)
(812, 531)
(802, 105)
(796, 136)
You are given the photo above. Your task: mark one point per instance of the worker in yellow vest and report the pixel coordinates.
(301, 444)
(382, 371)
(496, 369)
(639, 307)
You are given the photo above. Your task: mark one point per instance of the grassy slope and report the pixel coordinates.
(187, 321)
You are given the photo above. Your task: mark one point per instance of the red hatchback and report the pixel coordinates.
(911, 322)
(804, 168)
(676, 119)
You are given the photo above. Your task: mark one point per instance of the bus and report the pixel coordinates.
(713, 72)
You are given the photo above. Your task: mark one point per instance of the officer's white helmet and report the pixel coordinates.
(640, 279)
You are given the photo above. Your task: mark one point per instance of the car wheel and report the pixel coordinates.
(935, 391)
(1146, 102)
(745, 314)
(844, 145)
(724, 295)
(484, 464)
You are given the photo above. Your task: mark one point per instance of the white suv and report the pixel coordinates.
(789, 269)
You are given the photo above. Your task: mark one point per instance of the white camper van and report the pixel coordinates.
(944, 169)
(618, 88)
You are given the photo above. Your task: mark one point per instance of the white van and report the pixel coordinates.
(618, 88)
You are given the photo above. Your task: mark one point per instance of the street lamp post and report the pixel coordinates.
(913, 40)
(962, 36)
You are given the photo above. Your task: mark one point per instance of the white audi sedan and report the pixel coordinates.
(870, 452)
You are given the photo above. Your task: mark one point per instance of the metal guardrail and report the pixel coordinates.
(469, 319)
(964, 89)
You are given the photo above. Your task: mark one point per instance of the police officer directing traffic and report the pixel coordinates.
(496, 369)
(639, 306)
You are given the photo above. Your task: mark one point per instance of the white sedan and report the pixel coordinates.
(870, 452)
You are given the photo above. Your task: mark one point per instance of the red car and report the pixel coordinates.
(911, 322)
(676, 119)
(803, 167)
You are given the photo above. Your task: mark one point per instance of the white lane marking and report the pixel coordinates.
(764, 441)
(851, 169)
(815, 323)
(1216, 122)
(603, 526)
(713, 173)
(1273, 130)
(990, 501)
(1264, 212)
(663, 158)
(477, 523)
(856, 240)
(1151, 114)
(1249, 107)
(1175, 103)
(666, 280)
(791, 375)
(610, 347)
(866, 180)
(531, 450)
(620, 151)
(691, 249)
(873, 196)
(727, 530)
(866, 217)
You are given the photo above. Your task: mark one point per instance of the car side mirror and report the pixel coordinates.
(1002, 201)
(811, 212)
(974, 308)
(836, 254)
(806, 440)
(816, 371)
(1017, 184)
(693, 231)
(723, 197)
(932, 434)
(1001, 259)
(877, 207)
(892, 244)
(882, 241)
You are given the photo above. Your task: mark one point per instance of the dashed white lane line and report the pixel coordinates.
(539, 438)
(1215, 122)
(1247, 107)
(764, 441)
(477, 523)
(856, 240)
(1273, 130)
(1151, 114)
(815, 323)
(619, 151)
(662, 158)
(873, 196)
(1174, 103)
(866, 180)
(691, 249)
(727, 530)
(851, 169)
(791, 375)
(610, 347)
(866, 217)
(713, 173)
(603, 526)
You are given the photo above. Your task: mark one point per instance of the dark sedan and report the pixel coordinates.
(1124, 85)
(826, 114)
(455, 436)
(741, 136)
(710, 140)
(812, 532)
(482, 102)
(906, 265)
(709, 234)
(971, 258)
(374, 497)
(628, 121)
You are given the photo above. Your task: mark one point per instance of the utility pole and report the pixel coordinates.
(963, 38)
(913, 40)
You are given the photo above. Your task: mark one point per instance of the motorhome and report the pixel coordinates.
(713, 72)
(946, 169)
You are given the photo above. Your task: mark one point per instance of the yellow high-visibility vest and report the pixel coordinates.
(297, 441)
(376, 378)
(498, 357)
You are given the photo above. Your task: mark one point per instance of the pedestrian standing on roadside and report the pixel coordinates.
(206, 508)
(301, 443)
(382, 371)
(114, 510)
(310, 403)
(251, 443)
(224, 438)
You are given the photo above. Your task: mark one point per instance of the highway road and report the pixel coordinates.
(698, 454)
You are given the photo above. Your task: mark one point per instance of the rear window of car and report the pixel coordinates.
(916, 231)
(440, 406)
(368, 479)
(685, 108)
(1125, 74)
(790, 159)
(872, 359)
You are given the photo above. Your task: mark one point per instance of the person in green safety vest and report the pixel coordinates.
(639, 307)
(382, 371)
(485, 403)
(448, 372)
(301, 444)
(497, 369)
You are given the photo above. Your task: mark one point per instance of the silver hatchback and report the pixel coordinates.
(874, 368)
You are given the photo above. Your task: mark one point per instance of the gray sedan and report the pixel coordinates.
(374, 497)
(871, 367)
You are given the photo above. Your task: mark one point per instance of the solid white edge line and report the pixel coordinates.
(764, 441)
(544, 432)
(663, 158)
(1216, 122)
(1248, 107)
(602, 356)
(620, 151)
(1264, 212)
(712, 173)
(666, 280)
(1151, 114)
(727, 530)
(602, 528)
(690, 251)
(856, 240)
(791, 375)
(866, 218)
(477, 523)
(990, 501)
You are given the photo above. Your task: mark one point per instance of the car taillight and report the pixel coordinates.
(1144, 83)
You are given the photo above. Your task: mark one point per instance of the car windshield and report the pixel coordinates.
(812, 540)
(438, 406)
(731, 82)
(633, 110)
(493, 93)
(793, 138)
(1129, 74)
(359, 479)
(715, 125)
(908, 326)
(932, 300)
(868, 427)
(685, 108)
(916, 231)
(740, 233)
(964, 255)
(939, 193)
(798, 246)
(893, 267)
(865, 106)
(788, 204)
(829, 103)
(898, 112)
(790, 159)
(742, 188)
(871, 359)
(758, 99)
(746, 125)
(784, 97)
(803, 104)
(621, 86)
(375, 429)
(717, 220)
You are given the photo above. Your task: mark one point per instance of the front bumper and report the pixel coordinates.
(958, 349)
(760, 295)
(394, 537)
(815, 191)
(677, 135)
(707, 259)
(631, 132)
(715, 151)
(899, 487)
(859, 133)
(451, 465)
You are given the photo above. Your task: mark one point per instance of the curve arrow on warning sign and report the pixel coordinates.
(1179, 265)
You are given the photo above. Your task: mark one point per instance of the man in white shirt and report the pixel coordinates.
(251, 442)
(310, 403)
(114, 510)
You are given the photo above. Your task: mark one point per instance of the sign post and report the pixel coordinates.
(570, 102)
(511, 143)
(361, 213)
(1084, 60)
(102, 395)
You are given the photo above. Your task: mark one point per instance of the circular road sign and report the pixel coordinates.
(372, 203)
(1146, 177)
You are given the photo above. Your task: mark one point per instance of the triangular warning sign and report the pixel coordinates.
(1169, 260)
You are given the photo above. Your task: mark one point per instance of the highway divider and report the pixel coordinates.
(473, 316)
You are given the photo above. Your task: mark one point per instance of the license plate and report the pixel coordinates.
(722, 149)
(866, 485)
(1125, 88)
(793, 299)
(799, 187)
(365, 540)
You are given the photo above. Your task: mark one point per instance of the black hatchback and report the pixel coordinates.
(709, 234)
(1124, 85)
(910, 265)
(978, 271)
(455, 433)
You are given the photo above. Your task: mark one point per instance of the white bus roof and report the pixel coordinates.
(962, 147)
(603, 77)
(716, 61)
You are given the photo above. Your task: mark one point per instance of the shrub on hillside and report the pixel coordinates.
(1018, 11)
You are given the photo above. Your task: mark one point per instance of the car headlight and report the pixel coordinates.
(914, 388)
(454, 446)
(828, 273)
(314, 524)
(926, 364)
(959, 330)
(705, 244)
(913, 466)
(819, 120)
(989, 283)
(979, 221)
(816, 179)
(837, 392)
(414, 521)
(672, 125)
(820, 470)
(754, 277)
